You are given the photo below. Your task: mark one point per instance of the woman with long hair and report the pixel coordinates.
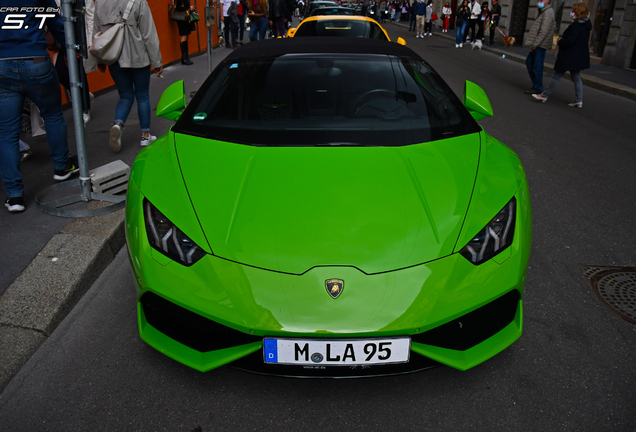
(462, 16)
(185, 28)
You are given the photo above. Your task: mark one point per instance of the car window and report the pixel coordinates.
(341, 28)
(332, 11)
(326, 99)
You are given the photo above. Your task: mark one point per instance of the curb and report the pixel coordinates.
(588, 80)
(34, 305)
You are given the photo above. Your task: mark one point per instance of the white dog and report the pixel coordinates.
(476, 44)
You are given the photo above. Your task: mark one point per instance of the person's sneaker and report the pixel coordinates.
(71, 168)
(147, 140)
(87, 117)
(15, 204)
(576, 104)
(115, 138)
(461, 45)
(539, 97)
(25, 154)
(456, 45)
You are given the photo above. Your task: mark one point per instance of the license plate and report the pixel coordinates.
(341, 352)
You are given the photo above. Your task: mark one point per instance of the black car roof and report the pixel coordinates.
(321, 45)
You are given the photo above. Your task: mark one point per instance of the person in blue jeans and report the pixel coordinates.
(463, 14)
(26, 71)
(131, 72)
(540, 39)
(258, 20)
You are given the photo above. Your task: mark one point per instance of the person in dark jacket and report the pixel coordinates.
(495, 14)
(573, 55)
(462, 15)
(278, 13)
(185, 28)
(26, 71)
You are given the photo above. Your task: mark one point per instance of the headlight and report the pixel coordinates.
(165, 237)
(494, 238)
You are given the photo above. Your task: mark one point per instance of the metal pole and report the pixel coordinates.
(196, 25)
(209, 29)
(76, 98)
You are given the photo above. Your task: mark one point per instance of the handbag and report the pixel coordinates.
(434, 16)
(194, 17)
(174, 15)
(107, 46)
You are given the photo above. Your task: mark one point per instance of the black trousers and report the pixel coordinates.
(471, 26)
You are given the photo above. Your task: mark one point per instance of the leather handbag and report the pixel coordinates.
(434, 16)
(194, 16)
(174, 15)
(107, 46)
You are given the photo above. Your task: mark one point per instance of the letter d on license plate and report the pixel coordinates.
(341, 352)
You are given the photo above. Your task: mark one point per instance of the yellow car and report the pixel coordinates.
(341, 25)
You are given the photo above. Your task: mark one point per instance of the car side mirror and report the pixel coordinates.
(401, 41)
(476, 101)
(172, 102)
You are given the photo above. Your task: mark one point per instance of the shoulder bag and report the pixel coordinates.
(107, 45)
(174, 15)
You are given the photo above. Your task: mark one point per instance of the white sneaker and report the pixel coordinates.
(87, 117)
(461, 45)
(456, 45)
(430, 34)
(147, 140)
(115, 138)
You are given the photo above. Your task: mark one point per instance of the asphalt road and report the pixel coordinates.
(572, 370)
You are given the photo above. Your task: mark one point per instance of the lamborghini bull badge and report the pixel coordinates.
(335, 287)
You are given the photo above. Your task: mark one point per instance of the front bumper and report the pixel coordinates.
(217, 312)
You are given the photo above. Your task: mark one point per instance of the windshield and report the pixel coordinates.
(341, 27)
(325, 99)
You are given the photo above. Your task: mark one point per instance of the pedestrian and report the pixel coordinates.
(420, 16)
(277, 14)
(131, 72)
(242, 12)
(398, 11)
(383, 10)
(26, 70)
(446, 16)
(461, 20)
(405, 11)
(540, 40)
(573, 54)
(185, 28)
(474, 20)
(495, 13)
(428, 21)
(483, 21)
(229, 26)
(258, 20)
(412, 21)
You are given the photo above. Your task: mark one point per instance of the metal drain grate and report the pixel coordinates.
(616, 286)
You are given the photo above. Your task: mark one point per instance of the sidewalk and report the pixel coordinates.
(49, 262)
(609, 79)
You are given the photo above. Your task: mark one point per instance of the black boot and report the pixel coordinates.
(185, 58)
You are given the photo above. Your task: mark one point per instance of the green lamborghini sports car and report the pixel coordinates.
(329, 209)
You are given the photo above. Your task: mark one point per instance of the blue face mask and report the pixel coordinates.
(540, 5)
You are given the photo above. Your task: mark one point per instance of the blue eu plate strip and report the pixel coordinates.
(271, 351)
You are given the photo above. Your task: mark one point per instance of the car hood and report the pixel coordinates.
(290, 209)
